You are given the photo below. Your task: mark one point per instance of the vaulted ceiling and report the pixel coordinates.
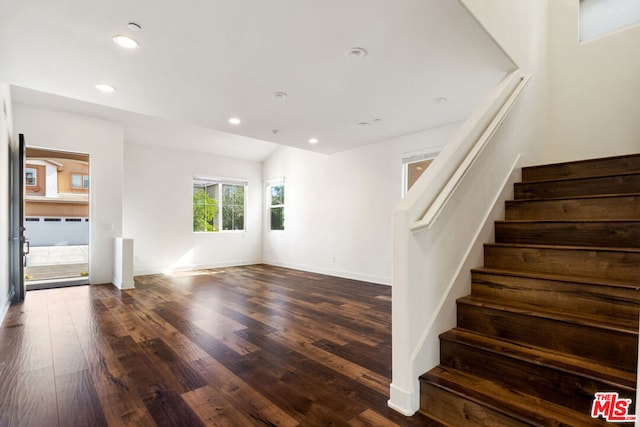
(201, 62)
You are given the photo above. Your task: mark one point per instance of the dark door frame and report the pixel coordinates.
(16, 218)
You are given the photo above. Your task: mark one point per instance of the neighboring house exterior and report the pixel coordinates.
(56, 201)
(56, 188)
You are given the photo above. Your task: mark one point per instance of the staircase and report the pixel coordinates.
(553, 315)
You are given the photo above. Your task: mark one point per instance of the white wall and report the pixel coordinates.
(158, 210)
(594, 87)
(338, 207)
(6, 132)
(521, 28)
(103, 141)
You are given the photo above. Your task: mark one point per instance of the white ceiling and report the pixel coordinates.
(203, 61)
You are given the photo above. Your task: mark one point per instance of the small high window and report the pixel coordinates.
(600, 17)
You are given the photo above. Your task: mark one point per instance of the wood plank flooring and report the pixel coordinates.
(242, 346)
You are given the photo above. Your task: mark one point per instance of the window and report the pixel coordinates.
(205, 206)
(232, 207)
(218, 202)
(413, 168)
(600, 17)
(79, 181)
(30, 177)
(275, 194)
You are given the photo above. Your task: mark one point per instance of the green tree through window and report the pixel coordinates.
(205, 210)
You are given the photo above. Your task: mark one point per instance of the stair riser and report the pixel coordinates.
(611, 208)
(562, 296)
(626, 184)
(451, 408)
(614, 348)
(567, 389)
(604, 264)
(604, 234)
(580, 169)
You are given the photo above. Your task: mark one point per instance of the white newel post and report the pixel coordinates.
(123, 263)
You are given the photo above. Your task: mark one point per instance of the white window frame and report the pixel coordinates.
(277, 182)
(220, 182)
(410, 160)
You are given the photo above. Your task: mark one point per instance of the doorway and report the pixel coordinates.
(56, 218)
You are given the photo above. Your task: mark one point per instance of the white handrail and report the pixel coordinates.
(443, 196)
(430, 191)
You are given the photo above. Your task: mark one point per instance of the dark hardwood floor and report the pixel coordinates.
(243, 346)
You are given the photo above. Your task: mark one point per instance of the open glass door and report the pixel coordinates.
(19, 245)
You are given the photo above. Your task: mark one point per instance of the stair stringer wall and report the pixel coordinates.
(443, 316)
(432, 265)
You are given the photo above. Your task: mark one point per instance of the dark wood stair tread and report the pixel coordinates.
(581, 178)
(566, 221)
(586, 260)
(620, 325)
(522, 407)
(627, 284)
(619, 233)
(565, 247)
(617, 378)
(628, 183)
(581, 197)
(603, 166)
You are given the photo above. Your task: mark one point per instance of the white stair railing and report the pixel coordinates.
(435, 229)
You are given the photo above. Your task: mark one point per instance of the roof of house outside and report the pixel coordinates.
(59, 198)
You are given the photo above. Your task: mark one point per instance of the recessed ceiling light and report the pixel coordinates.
(280, 96)
(439, 100)
(313, 141)
(234, 121)
(105, 88)
(356, 53)
(134, 27)
(377, 120)
(125, 41)
(363, 124)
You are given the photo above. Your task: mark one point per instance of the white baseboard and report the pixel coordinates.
(403, 401)
(123, 285)
(379, 280)
(162, 270)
